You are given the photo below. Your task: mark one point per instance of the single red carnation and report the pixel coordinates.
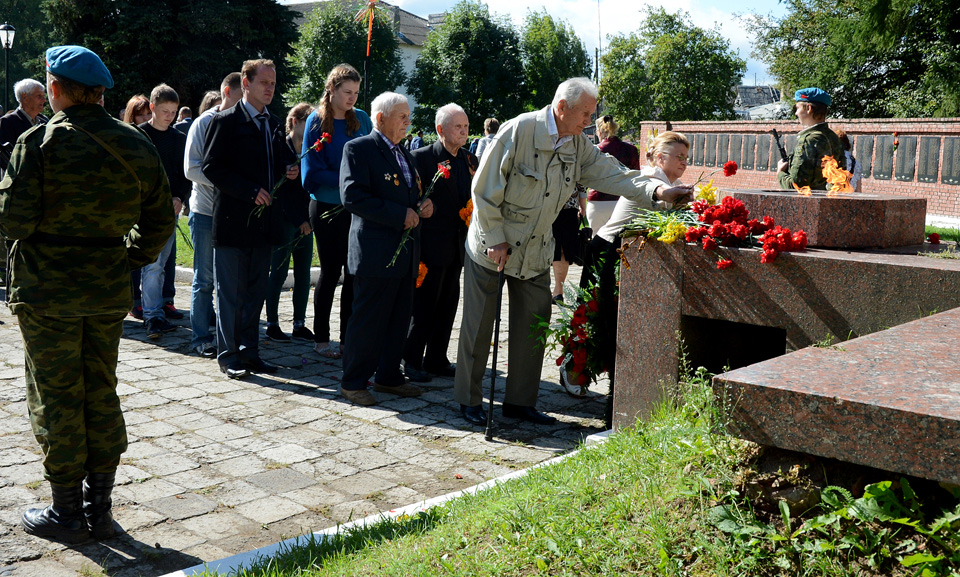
(934, 238)
(699, 206)
(694, 234)
(593, 306)
(443, 170)
(709, 243)
(723, 264)
(729, 168)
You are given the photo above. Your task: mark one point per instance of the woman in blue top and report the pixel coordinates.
(337, 117)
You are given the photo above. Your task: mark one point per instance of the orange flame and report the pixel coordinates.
(805, 191)
(837, 178)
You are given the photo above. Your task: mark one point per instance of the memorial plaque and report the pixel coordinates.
(710, 158)
(749, 142)
(951, 161)
(736, 144)
(883, 158)
(763, 151)
(790, 142)
(929, 163)
(864, 154)
(698, 148)
(723, 144)
(906, 158)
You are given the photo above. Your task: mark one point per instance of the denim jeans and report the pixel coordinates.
(201, 296)
(151, 283)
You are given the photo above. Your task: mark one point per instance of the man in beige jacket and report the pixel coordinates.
(526, 174)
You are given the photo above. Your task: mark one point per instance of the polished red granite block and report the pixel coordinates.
(807, 296)
(851, 220)
(890, 400)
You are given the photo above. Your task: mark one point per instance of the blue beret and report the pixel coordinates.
(812, 95)
(78, 64)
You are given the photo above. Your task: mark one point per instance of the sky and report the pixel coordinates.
(592, 19)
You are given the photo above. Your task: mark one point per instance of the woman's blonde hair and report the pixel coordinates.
(341, 73)
(661, 142)
(607, 127)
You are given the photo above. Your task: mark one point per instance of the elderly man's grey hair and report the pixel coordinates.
(386, 103)
(24, 87)
(573, 89)
(446, 112)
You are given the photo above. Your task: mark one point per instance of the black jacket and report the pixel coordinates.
(235, 162)
(12, 125)
(373, 189)
(445, 233)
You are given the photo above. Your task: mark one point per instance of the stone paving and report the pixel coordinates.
(216, 467)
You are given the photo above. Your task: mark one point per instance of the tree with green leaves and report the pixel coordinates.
(552, 53)
(31, 40)
(670, 70)
(190, 45)
(330, 36)
(876, 58)
(473, 59)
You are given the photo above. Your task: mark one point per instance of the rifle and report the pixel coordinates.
(783, 151)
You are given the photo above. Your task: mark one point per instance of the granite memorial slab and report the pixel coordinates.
(950, 173)
(906, 158)
(763, 152)
(710, 154)
(749, 143)
(848, 220)
(673, 293)
(865, 154)
(889, 400)
(929, 164)
(883, 158)
(736, 146)
(723, 149)
(698, 148)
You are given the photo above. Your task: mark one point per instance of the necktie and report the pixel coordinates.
(264, 119)
(407, 175)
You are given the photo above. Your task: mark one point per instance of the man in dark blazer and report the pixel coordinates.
(380, 187)
(442, 238)
(31, 95)
(245, 155)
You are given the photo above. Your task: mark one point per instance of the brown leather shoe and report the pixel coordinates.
(404, 390)
(361, 397)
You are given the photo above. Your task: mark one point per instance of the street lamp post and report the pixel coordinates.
(6, 38)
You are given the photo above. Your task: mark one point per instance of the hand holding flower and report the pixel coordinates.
(426, 208)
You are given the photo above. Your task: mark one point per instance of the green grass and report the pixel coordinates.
(185, 251)
(663, 498)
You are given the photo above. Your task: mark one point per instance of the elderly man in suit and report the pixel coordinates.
(245, 155)
(443, 237)
(31, 96)
(380, 187)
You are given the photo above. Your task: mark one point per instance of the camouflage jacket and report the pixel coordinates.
(812, 145)
(77, 216)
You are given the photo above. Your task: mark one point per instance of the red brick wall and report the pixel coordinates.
(941, 191)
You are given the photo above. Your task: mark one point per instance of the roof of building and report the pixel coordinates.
(750, 96)
(411, 29)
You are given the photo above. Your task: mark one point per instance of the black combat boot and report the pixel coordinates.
(63, 520)
(97, 503)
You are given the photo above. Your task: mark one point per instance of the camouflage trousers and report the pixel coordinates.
(71, 375)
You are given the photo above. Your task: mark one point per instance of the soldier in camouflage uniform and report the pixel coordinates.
(85, 199)
(814, 141)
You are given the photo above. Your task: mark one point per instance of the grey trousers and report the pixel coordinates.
(241, 276)
(528, 298)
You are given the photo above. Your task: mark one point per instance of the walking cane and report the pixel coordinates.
(488, 435)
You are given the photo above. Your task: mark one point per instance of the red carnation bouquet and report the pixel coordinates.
(577, 334)
(443, 171)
